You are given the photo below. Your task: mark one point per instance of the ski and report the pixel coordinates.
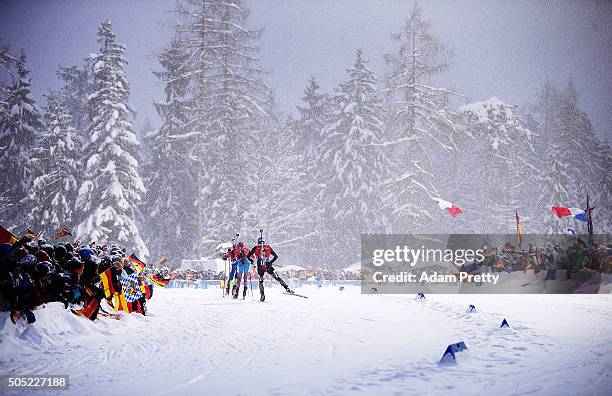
(295, 294)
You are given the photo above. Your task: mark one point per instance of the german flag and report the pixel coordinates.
(139, 265)
(88, 310)
(62, 233)
(107, 283)
(159, 280)
(135, 306)
(518, 229)
(589, 220)
(147, 290)
(7, 237)
(31, 234)
(119, 302)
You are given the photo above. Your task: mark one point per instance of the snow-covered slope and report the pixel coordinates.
(194, 342)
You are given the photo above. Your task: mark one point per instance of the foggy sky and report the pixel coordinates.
(501, 48)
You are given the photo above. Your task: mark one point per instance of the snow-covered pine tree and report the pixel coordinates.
(555, 184)
(6, 77)
(231, 106)
(580, 149)
(419, 115)
(313, 116)
(503, 178)
(53, 193)
(602, 221)
(169, 171)
(353, 166)
(307, 142)
(572, 158)
(77, 87)
(284, 209)
(17, 140)
(112, 187)
(555, 190)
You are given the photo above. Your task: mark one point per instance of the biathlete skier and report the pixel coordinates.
(233, 256)
(243, 265)
(262, 252)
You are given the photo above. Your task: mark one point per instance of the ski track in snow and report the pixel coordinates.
(195, 342)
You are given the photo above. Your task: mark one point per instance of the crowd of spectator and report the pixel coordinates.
(34, 272)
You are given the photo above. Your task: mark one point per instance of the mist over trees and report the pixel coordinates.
(368, 157)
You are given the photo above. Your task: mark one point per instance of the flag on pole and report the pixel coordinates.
(147, 291)
(137, 263)
(448, 207)
(576, 213)
(31, 234)
(119, 302)
(62, 233)
(130, 287)
(6, 236)
(518, 229)
(589, 221)
(160, 280)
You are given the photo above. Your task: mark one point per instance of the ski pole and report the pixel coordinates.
(224, 279)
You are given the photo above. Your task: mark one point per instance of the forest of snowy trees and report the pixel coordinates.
(368, 157)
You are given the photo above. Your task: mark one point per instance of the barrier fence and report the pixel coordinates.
(293, 283)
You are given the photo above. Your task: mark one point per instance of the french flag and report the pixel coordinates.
(449, 207)
(578, 214)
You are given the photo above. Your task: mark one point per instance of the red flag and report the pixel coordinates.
(561, 212)
(449, 207)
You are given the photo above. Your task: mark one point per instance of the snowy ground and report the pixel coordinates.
(194, 342)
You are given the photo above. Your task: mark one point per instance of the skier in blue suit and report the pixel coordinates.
(233, 254)
(243, 265)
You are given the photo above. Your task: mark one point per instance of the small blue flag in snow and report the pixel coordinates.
(505, 323)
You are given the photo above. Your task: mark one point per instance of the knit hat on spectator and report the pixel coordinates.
(28, 262)
(41, 256)
(75, 265)
(60, 252)
(21, 253)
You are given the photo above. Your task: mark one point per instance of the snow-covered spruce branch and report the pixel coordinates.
(391, 142)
